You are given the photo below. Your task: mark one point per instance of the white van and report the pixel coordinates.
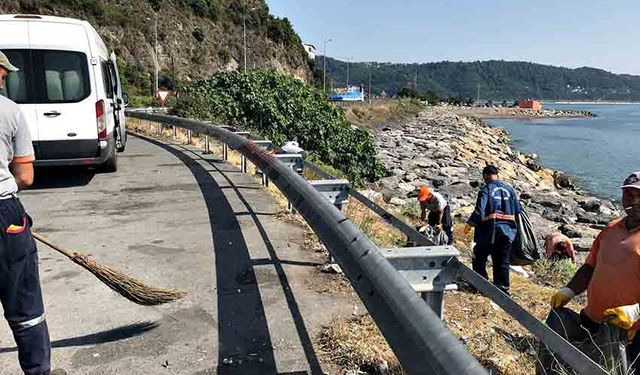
(68, 88)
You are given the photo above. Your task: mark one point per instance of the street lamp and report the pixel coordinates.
(244, 34)
(324, 64)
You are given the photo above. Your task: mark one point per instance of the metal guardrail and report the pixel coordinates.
(412, 235)
(556, 343)
(415, 333)
(418, 338)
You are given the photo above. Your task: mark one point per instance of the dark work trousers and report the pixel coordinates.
(20, 292)
(447, 223)
(499, 251)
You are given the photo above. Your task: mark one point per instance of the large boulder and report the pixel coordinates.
(406, 188)
(459, 189)
(549, 200)
(556, 216)
(590, 204)
(582, 244)
(424, 163)
(562, 181)
(593, 218)
(578, 231)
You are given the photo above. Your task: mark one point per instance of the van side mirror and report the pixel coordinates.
(125, 98)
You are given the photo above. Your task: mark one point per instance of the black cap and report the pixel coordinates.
(490, 169)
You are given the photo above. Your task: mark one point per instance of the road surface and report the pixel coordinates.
(173, 217)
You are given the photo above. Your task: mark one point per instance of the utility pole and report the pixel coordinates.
(347, 74)
(369, 86)
(244, 33)
(244, 37)
(155, 50)
(156, 63)
(324, 64)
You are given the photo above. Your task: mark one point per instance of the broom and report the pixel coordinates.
(125, 285)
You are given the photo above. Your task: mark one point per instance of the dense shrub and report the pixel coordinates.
(282, 108)
(198, 34)
(139, 101)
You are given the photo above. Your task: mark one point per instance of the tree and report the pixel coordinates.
(431, 97)
(406, 92)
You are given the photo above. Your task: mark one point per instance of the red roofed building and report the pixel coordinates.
(530, 104)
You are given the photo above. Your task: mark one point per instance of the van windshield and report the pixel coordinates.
(47, 76)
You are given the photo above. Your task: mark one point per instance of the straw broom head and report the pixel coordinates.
(125, 285)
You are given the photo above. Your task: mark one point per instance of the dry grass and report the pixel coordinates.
(491, 335)
(357, 343)
(382, 112)
(379, 231)
(555, 274)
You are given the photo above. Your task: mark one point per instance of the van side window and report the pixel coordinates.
(61, 76)
(17, 83)
(106, 79)
(114, 78)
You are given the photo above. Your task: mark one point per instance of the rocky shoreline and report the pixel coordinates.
(447, 152)
(517, 113)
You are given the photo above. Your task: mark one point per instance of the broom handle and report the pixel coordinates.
(52, 245)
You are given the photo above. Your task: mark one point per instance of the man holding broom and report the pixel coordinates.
(20, 292)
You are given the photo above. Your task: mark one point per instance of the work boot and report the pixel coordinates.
(58, 371)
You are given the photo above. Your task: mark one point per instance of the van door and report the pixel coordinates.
(66, 112)
(118, 105)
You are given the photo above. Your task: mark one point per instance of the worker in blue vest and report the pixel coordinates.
(494, 220)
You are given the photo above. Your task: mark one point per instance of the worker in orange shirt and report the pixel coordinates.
(439, 216)
(611, 277)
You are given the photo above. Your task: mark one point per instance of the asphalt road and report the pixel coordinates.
(174, 218)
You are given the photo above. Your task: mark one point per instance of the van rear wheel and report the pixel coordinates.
(111, 165)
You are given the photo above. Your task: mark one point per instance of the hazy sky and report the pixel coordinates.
(602, 34)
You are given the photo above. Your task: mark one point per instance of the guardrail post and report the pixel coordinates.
(435, 300)
(336, 191)
(243, 163)
(425, 268)
(175, 132)
(159, 129)
(207, 149)
(189, 136)
(225, 152)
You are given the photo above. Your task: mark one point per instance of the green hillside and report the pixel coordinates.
(497, 79)
(195, 37)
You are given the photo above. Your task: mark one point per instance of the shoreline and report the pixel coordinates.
(447, 152)
(517, 113)
(590, 102)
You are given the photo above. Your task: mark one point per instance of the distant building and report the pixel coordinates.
(530, 104)
(311, 50)
(348, 94)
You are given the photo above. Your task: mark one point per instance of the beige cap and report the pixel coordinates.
(4, 63)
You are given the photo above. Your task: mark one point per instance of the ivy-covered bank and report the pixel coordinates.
(282, 108)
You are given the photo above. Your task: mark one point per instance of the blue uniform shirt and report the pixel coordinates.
(495, 212)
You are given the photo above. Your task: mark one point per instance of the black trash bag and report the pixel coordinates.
(525, 249)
